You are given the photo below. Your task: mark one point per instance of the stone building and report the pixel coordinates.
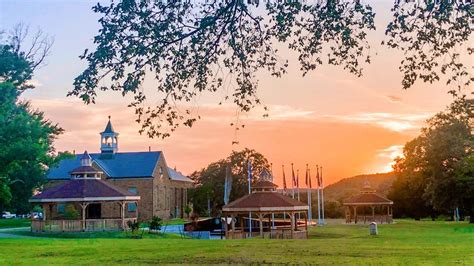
(162, 190)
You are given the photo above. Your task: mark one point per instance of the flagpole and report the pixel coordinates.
(322, 195)
(249, 172)
(292, 181)
(319, 202)
(298, 188)
(310, 213)
(273, 215)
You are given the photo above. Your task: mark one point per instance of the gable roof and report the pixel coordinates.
(119, 165)
(84, 190)
(178, 176)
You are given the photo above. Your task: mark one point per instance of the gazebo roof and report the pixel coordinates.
(264, 184)
(368, 199)
(84, 190)
(263, 201)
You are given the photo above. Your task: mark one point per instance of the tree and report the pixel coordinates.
(192, 47)
(435, 172)
(210, 180)
(26, 137)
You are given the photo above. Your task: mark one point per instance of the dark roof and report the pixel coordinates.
(264, 184)
(109, 128)
(118, 165)
(264, 201)
(367, 198)
(86, 156)
(84, 170)
(77, 189)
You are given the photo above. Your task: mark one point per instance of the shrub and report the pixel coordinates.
(134, 226)
(155, 224)
(188, 210)
(70, 212)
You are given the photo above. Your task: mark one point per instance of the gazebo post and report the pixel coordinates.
(306, 223)
(260, 217)
(355, 214)
(242, 228)
(292, 218)
(373, 212)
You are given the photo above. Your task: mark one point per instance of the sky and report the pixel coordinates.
(349, 125)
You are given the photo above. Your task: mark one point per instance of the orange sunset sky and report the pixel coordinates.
(329, 117)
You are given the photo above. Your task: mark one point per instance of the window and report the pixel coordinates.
(61, 207)
(133, 190)
(132, 207)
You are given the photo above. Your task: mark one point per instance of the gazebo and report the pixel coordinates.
(368, 206)
(87, 198)
(276, 214)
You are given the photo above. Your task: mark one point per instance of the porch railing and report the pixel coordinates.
(273, 234)
(91, 225)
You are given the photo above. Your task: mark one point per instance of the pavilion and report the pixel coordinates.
(266, 204)
(88, 198)
(368, 206)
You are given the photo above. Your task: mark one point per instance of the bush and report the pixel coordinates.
(70, 212)
(155, 224)
(188, 210)
(134, 226)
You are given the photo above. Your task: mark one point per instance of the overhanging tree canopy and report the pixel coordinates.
(189, 47)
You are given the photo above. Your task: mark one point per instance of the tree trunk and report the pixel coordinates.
(471, 216)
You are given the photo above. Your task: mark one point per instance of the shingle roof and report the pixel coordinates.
(367, 198)
(109, 128)
(77, 189)
(84, 170)
(264, 201)
(118, 165)
(178, 176)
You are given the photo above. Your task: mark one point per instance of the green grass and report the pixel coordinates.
(12, 223)
(406, 242)
(89, 235)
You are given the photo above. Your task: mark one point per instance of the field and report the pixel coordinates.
(11, 223)
(406, 242)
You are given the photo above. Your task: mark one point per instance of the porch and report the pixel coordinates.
(89, 225)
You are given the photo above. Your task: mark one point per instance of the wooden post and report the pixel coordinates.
(306, 223)
(355, 214)
(373, 212)
(122, 214)
(260, 218)
(225, 227)
(292, 218)
(83, 207)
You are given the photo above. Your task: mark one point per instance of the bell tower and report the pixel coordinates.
(109, 140)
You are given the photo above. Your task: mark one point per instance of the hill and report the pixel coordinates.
(348, 187)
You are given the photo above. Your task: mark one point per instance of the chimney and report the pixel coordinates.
(149, 148)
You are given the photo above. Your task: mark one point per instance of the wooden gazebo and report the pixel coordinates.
(92, 199)
(368, 206)
(265, 213)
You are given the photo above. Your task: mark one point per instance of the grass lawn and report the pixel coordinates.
(11, 223)
(406, 242)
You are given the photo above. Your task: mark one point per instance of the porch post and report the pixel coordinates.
(260, 216)
(122, 214)
(355, 214)
(83, 207)
(373, 212)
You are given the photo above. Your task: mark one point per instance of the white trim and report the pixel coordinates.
(369, 203)
(87, 199)
(269, 209)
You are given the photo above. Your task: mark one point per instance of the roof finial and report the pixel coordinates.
(109, 117)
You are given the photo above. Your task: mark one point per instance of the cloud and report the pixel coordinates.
(394, 99)
(391, 121)
(391, 153)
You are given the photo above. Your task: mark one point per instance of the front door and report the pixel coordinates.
(93, 211)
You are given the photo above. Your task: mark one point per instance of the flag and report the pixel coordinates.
(227, 184)
(309, 178)
(321, 176)
(284, 179)
(306, 182)
(298, 178)
(317, 176)
(293, 177)
(249, 173)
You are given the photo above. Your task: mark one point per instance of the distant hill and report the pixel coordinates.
(348, 187)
